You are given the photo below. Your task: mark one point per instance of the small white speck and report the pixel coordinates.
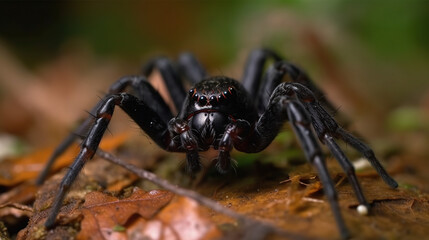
(361, 163)
(362, 210)
(154, 192)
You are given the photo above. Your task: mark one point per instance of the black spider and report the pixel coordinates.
(222, 113)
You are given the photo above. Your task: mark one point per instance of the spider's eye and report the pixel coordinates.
(202, 100)
(214, 100)
(229, 94)
(195, 96)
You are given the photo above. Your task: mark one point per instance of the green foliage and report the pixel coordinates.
(406, 119)
(389, 28)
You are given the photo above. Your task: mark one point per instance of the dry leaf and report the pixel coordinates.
(181, 219)
(185, 221)
(104, 215)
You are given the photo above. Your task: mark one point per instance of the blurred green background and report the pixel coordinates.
(36, 30)
(370, 57)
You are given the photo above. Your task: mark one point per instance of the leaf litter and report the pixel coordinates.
(293, 202)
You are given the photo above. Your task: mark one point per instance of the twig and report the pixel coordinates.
(252, 226)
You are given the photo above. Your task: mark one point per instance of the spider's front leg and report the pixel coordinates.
(186, 143)
(149, 120)
(234, 135)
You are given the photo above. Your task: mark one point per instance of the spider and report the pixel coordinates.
(221, 113)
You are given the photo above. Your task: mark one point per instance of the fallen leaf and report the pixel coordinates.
(185, 220)
(181, 219)
(104, 214)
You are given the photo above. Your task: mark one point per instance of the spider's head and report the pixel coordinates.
(214, 103)
(219, 94)
(215, 94)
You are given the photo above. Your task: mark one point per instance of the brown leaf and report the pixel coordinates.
(104, 214)
(185, 221)
(181, 219)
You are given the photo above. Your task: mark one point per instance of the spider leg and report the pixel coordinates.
(143, 90)
(325, 127)
(231, 137)
(63, 146)
(191, 68)
(223, 163)
(170, 76)
(254, 68)
(347, 167)
(187, 65)
(301, 124)
(274, 76)
(368, 153)
(188, 143)
(147, 119)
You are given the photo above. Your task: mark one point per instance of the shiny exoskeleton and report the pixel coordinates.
(221, 113)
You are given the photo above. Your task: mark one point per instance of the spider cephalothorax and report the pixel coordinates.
(220, 94)
(222, 113)
(213, 104)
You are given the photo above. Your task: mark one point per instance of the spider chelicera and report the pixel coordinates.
(222, 113)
